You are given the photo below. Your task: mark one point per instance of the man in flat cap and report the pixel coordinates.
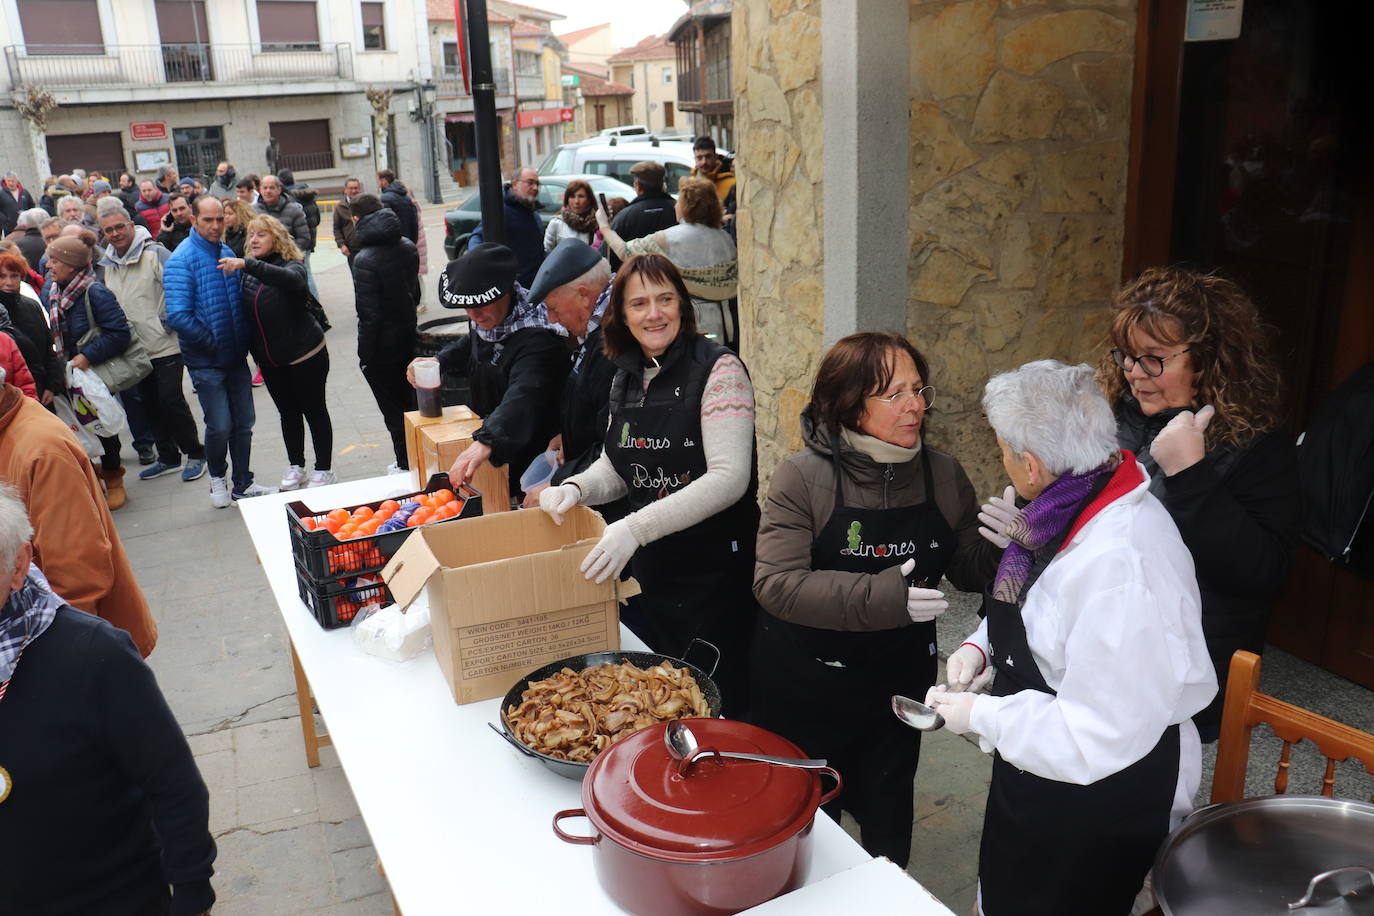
(651, 210)
(575, 286)
(514, 362)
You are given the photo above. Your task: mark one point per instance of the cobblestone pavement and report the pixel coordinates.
(290, 838)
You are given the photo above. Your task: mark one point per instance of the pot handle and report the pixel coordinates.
(839, 784)
(569, 837)
(1318, 879)
(710, 645)
(518, 745)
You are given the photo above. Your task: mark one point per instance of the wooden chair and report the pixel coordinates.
(1246, 707)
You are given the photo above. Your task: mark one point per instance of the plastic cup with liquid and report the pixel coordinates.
(427, 383)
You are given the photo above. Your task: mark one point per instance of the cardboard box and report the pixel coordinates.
(506, 595)
(414, 421)
(441, 443)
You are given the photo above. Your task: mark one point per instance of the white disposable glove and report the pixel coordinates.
(956, 708)
(999, 515)
(965, 664)
(558, 501)
(922, 603)
(611, 553)
(1180, 444)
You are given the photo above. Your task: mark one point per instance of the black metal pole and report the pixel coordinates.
(485, 124)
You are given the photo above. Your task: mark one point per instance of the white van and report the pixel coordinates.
(613, 156)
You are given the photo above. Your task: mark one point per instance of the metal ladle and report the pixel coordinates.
(682, 745)
(918, 715)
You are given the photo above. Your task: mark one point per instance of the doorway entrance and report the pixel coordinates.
(1250, 157)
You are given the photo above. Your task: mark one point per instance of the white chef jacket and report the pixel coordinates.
(1115, 625)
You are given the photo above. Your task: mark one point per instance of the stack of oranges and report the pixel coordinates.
(389, 515)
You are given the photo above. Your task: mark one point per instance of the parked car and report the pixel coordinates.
(614, 155)
(461, 220)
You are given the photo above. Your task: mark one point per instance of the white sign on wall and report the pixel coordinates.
(1213, 20)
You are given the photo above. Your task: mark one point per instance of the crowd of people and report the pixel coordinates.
(1149, 522)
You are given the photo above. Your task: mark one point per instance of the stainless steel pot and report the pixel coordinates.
(1274, 855)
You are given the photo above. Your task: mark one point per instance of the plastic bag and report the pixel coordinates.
(90, 443)
(95, 407)
(391, 633)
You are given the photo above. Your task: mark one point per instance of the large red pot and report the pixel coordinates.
(705, 837)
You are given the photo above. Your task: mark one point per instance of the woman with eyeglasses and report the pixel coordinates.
(1199, 402)
(857, 531)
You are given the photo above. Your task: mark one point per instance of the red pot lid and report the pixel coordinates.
(721, 809)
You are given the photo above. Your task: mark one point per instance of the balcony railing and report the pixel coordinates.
(449, 80)
(530, 85)
(305, 162)
(122, 66)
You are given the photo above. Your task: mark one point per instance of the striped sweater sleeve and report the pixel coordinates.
(727, 437)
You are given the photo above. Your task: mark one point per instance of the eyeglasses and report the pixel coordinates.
(532, 182)
(903, 398)
(1152, 365)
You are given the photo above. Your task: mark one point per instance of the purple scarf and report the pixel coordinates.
(1044, 517)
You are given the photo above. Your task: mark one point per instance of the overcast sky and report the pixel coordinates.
(631, 20)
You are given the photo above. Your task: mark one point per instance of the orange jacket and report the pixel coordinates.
(74, 538)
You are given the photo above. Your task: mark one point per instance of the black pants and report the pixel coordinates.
(165, 407)
(110, 461)
(394, 397)
(298, 392)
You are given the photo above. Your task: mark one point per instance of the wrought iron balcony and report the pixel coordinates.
(70, 66)
(449, 81)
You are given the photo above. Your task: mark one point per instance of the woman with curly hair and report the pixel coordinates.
(1199, 401)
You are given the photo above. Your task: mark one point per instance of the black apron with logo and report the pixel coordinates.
(830, 690)
(1050, 847)
(697, 582)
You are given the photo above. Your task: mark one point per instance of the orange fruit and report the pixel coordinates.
(340, 515)
(389, 505)
(444, 496)
(332, 524)
(383, 514)
(370, 526)
(414, 521)
(362, 513)
(308, 523)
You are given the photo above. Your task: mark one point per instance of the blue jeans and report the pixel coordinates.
(226, 399)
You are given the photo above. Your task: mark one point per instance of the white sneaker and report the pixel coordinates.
(253, 489)
(322, 478)
(294, 476)
(219, 492)
(394, 468)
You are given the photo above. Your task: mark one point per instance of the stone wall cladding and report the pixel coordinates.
(779, 164)
(1020, 124)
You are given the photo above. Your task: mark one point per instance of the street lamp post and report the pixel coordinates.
(425, 94)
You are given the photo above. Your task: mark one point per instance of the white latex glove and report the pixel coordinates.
(922, 603)
(611, 553)
(558, 501)
(956, 708)
(965, 663)
(1180, 444)
(999, 515)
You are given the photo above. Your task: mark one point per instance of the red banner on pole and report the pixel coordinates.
(459, 21)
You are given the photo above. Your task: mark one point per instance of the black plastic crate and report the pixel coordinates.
(335, 603)
(324, 557)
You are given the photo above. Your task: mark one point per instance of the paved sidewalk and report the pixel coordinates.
(290, 838)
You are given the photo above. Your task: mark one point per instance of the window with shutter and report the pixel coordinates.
(288, 25)
(61, 26)
(374, 30)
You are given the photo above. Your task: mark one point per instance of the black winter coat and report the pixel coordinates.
(524, 236)
(109, 315)
(1237, 510)
(396, 198)
(274, 296)
(305, 196)
(585, 410)
(32, 247)
(173, 236)
(645, 215)
(10, 208)
(386, 286)
(34, 339)
(516, 386)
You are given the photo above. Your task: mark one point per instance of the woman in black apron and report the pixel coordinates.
(857, 530)
(680, 450)
(1093, 627)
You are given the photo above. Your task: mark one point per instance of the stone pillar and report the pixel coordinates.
(866, 101)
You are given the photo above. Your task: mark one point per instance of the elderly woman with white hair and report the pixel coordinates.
(1093, 645)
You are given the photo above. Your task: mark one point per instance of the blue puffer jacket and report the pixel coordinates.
(108, 314)
(203, 305)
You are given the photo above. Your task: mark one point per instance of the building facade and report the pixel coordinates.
(703, 40)
(650, 69)
(135, 84)
(453, 96)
